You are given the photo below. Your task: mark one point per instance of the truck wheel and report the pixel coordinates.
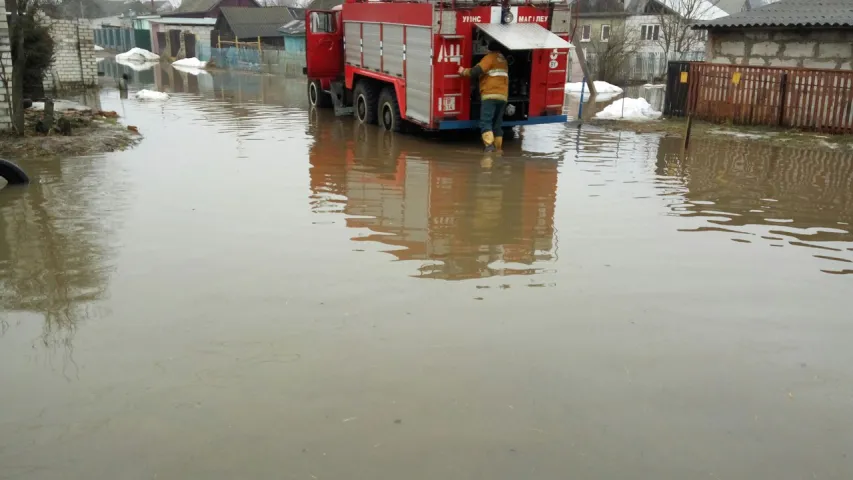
(317, 97)
(389, 110)
(364, 101)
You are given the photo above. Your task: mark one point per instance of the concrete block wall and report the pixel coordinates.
(816, 48)
(6, 58)
(74, 63)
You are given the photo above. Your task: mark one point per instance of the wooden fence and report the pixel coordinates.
(807, 99)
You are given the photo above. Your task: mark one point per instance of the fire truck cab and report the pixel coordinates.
(393, 62)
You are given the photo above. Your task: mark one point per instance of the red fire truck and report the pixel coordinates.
(394, 62)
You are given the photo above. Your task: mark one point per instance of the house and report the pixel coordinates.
(254, 24)
(208, 8)
(178, 37)
(293, 34)
(787, 33)
(636, 38)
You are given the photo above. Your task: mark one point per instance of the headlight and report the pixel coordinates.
(510, 110)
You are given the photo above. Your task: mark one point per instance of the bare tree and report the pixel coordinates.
(612, 54)
(675, 19)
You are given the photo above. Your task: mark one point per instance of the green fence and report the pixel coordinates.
(122, 39)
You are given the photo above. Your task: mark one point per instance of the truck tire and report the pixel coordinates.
(317, 97)
(13, 174)
(389, 110)
(364, 102)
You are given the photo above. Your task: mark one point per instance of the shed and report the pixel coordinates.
(293, 33)
(177, 37)
(787, 33)
(251, 24)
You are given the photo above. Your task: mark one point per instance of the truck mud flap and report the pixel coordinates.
(338, 95)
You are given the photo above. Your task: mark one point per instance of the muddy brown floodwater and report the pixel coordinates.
(259, 291)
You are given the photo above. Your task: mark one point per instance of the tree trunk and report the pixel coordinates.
(19, 65)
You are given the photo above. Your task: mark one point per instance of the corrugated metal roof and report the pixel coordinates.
(259, 22)
(523, 36)
(196, 6)
(324, 4)
(790, 13)
(295, 27)
(184, 21)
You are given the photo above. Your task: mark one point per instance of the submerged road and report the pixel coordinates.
(260, 291)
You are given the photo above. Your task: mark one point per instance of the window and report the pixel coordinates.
(586, 33)
(650, 32)
(605, 33)
(322, 22)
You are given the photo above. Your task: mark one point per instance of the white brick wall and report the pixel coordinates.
(6, 58)
(74, 63)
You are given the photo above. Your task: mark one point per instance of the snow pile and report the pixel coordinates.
(137, 54)
(190, 70)
(151, 95)
(190, 62)
(600, 87)
(633, 109)
(136, 67)
(99, 48)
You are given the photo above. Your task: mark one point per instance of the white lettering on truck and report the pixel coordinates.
(470, 19)
(533, 18)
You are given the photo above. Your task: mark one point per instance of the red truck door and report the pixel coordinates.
(323, 44)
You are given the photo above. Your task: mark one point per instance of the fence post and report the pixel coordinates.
(782, 103)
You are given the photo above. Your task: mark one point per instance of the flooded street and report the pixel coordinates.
(259, 291)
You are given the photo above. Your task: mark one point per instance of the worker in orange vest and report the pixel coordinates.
(493, 72)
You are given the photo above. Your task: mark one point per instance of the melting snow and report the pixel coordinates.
(635, 109)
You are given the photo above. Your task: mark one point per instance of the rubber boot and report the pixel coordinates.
(499, 143)
(489, 142)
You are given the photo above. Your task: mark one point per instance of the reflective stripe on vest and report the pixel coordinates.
(497, 73)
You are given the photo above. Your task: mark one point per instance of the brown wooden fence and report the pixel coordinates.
(802, 98)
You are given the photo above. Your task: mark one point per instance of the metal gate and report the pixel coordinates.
(142, 39)
(189, 44)
(174, 42)
(161, 43)
(677, 86)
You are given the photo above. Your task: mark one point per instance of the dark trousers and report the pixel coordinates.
(492, 117)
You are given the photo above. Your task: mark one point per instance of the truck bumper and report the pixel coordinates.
(465, 124)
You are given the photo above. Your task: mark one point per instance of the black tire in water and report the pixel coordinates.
(13, 174)
(389, 110)
(364, 102)
(317, 97)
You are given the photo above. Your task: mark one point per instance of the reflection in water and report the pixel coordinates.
(54, 244)
(766, 194)
(458, 219)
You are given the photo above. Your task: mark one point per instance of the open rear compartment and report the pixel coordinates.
(520, 64)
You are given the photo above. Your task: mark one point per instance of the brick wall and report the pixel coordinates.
(6, 58)
(74, 64)
(809, 48)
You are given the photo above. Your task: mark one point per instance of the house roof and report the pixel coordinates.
(731, 6)
(324, 4)
(701, 10)
(196, 6)
(698, 10)
(259, 22)
(790, 13)
(184, 21)
(294, 27)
